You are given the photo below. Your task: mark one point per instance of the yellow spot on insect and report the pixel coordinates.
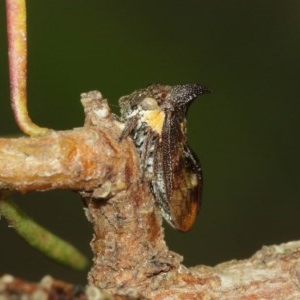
(155, 119)
(193, 180)
(183, 127)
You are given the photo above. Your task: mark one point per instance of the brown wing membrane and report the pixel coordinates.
(182, 173)
(185, 196)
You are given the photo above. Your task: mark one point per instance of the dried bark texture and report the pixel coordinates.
(130, 254)
(271, 273)
(12, 288)
(79, 159)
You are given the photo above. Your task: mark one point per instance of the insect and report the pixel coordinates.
(156, 120)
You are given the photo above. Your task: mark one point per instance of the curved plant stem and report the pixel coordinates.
(17, 56)
(40, 238)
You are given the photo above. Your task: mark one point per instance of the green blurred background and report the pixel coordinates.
(246, 133)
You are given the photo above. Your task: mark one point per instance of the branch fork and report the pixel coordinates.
(130, 254)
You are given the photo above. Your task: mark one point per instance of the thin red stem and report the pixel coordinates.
(17, 55)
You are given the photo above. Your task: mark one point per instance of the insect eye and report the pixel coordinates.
(149, 103)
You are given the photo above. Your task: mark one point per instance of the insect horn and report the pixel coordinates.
(186, 93)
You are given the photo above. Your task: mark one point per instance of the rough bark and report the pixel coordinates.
(130, 254)
(271, 273)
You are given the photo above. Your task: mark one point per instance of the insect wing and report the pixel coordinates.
(182, 174)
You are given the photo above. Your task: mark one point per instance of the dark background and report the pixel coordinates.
(246, 133)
